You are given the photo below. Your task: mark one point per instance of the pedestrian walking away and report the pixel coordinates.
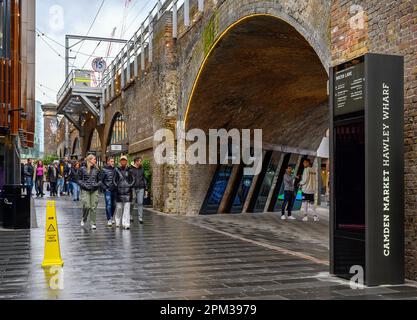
(109, 190)
(73, 177)
(123, 181)
(89, 181)
(28, 172)
(52, 178)
(140, 185)
(39, 178)
(308, 186)
(67, 172)
(289, 180)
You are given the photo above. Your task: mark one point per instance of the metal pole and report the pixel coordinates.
(67, 72)
(66, 57)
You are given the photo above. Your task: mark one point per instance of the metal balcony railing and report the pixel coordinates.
(131, 58)
(76, 79)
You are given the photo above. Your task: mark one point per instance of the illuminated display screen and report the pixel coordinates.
(241, 194)
(216, 192)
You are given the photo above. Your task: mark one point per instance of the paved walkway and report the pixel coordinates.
(213, 257)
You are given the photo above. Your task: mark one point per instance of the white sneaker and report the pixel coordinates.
(316, 219)
(291, 218)
(82, 223)
(109, 223)
(305, 219)
(93, 227)
(126, 227)
(283, 217)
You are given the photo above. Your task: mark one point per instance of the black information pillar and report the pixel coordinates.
(367, 169)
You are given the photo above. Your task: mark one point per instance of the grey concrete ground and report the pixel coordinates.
(171, 257)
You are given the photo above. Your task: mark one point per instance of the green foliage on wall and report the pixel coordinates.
(49, 159)
(210, 32)
(148, 173)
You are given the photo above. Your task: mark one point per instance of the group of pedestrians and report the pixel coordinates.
(308, 187)
(84, 180)
(118, 184)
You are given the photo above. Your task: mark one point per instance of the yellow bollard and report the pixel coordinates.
(52, 255)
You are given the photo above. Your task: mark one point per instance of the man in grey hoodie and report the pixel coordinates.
(289, 179)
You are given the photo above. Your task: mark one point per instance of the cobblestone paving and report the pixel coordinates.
(230, 257)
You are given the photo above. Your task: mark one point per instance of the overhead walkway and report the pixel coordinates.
(80, 98)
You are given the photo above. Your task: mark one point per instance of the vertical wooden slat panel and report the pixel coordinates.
(14, 77)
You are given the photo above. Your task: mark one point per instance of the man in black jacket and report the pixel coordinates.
(29, 172)
(109, 189)
(140, 186)
(123, 181)
(52, 178)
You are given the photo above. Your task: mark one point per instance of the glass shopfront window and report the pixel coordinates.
(118, 138)
(119, 133)
(4, 28)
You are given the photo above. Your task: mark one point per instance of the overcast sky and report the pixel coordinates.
(56, 18)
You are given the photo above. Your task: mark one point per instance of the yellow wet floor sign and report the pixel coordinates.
(52, 255)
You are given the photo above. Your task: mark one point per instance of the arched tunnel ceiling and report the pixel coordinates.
(263, 74)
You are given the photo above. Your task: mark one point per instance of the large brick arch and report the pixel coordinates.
(308, 20)
(311, 18)
(89, 127)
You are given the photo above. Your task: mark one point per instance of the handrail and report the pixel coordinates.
(73, 79)
(142, 39)
(134, 49)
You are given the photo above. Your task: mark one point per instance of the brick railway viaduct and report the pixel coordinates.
(256, 64)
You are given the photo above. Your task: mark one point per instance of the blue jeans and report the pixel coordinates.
(139, 200)
(29, 185)
(110, 197)
(75, 191)
(60, 186)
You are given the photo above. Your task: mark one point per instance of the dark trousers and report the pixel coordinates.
(52, 189)
(39, 186)
(288, 199)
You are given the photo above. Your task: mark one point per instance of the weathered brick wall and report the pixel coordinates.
(388, 27)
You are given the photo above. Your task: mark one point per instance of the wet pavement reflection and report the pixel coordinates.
(171, 258)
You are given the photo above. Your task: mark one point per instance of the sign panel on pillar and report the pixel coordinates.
(385, 168)
(367, 180)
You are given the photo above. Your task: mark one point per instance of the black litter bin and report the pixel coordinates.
(15, 207)
(1, 207)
